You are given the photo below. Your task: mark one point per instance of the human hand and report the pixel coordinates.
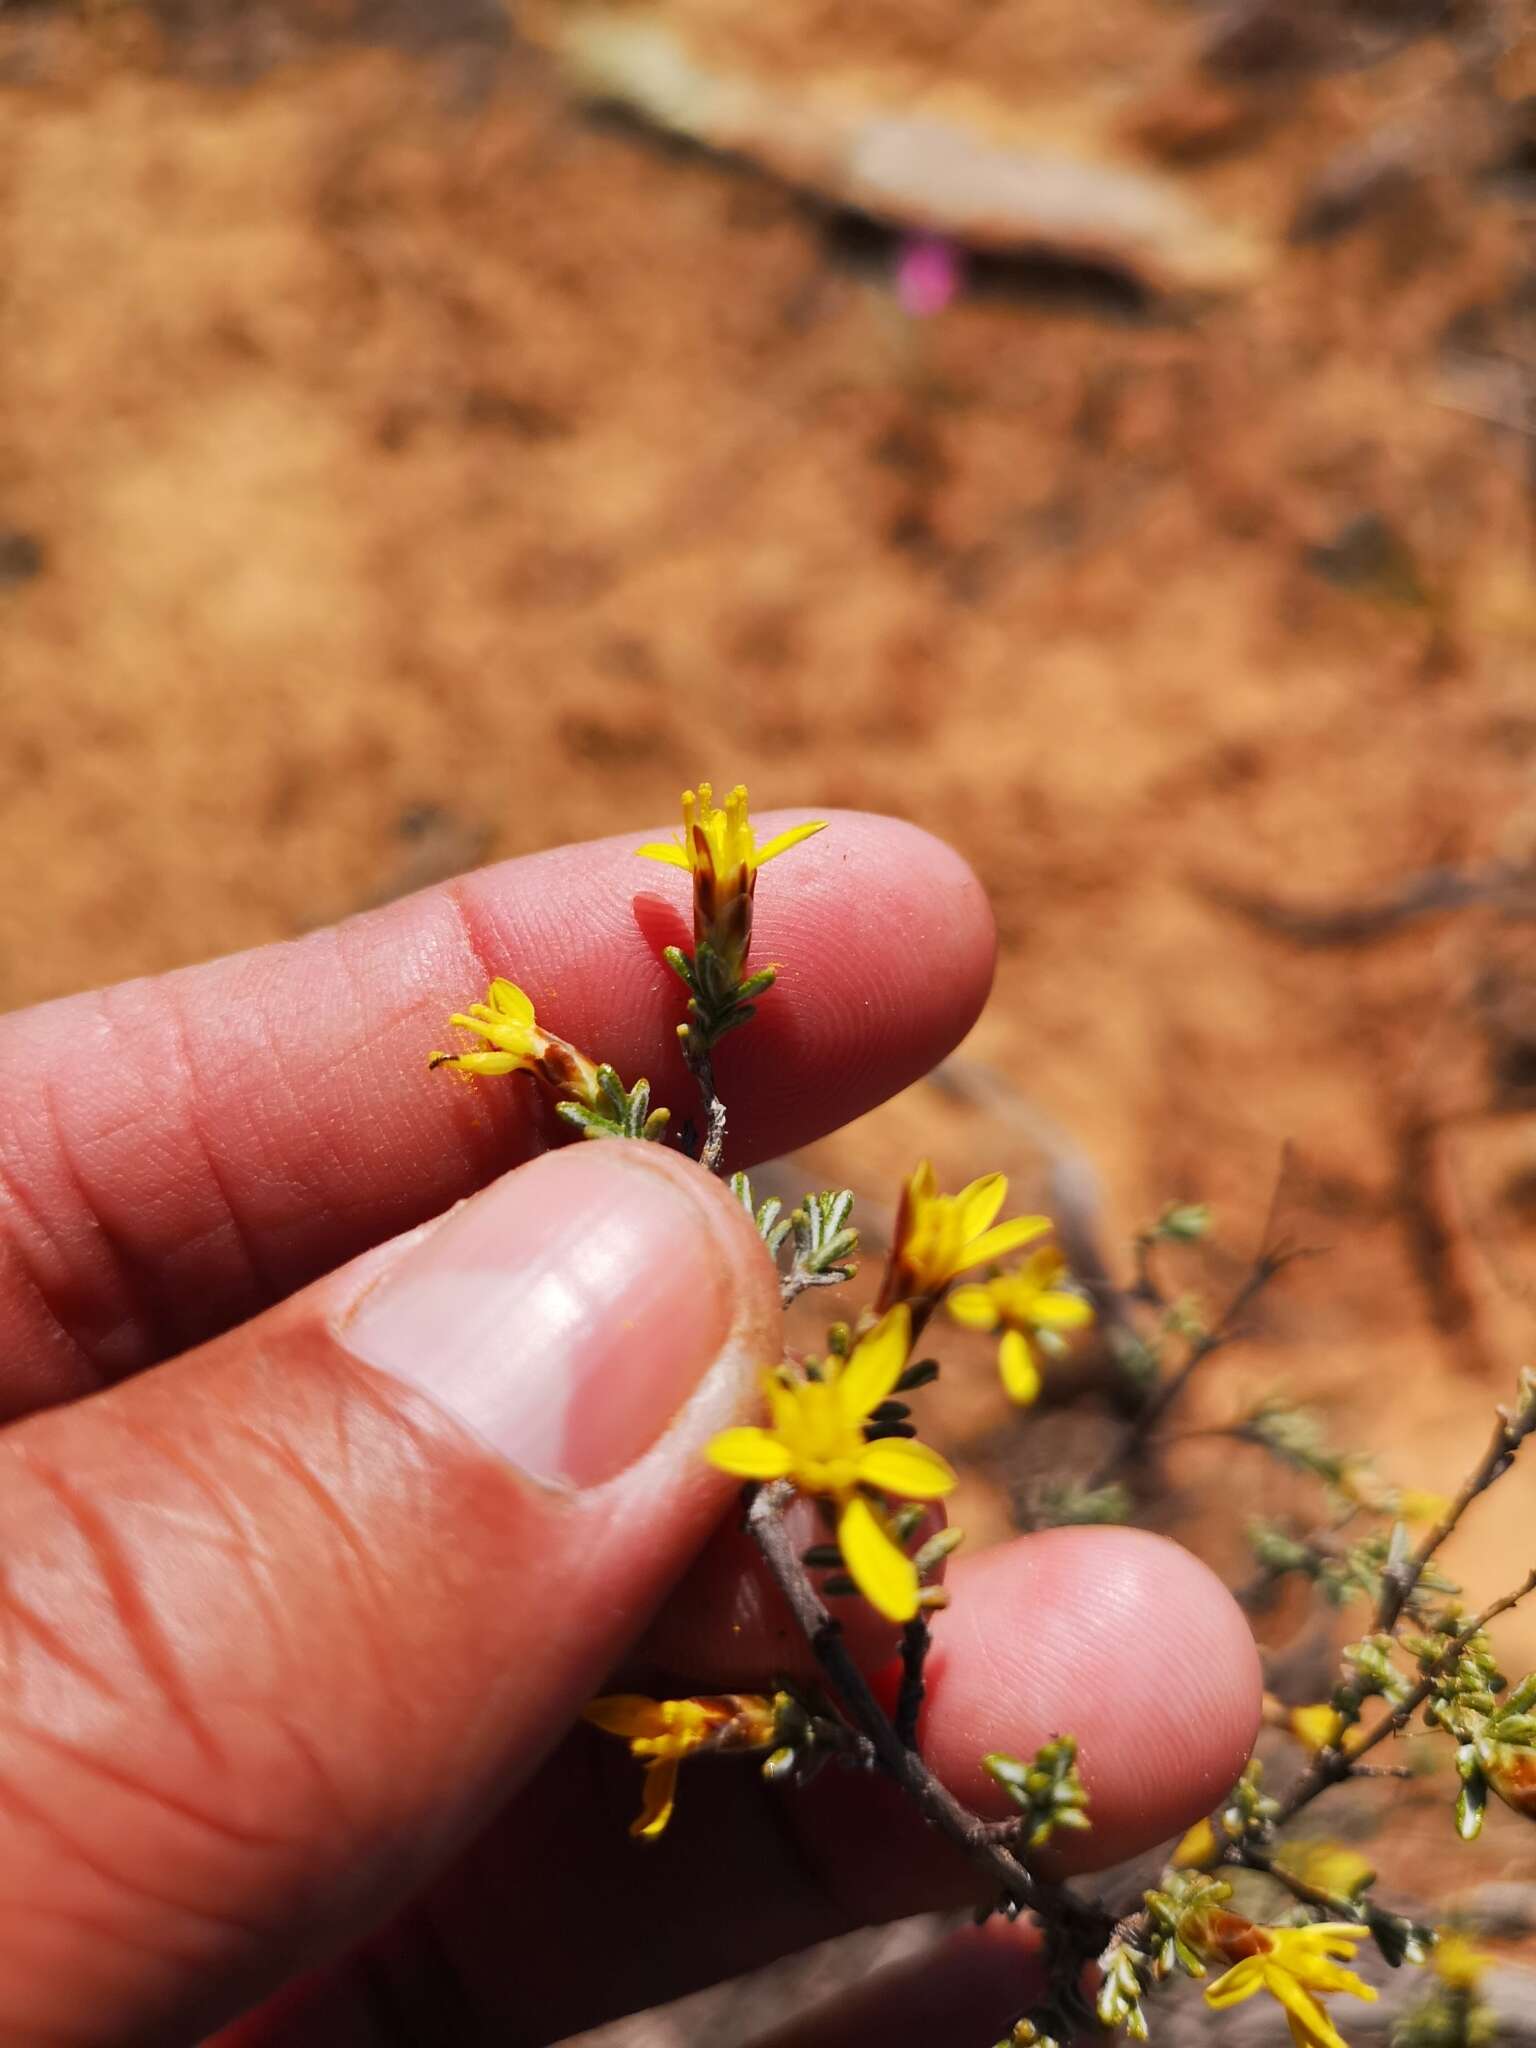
(297, 1622)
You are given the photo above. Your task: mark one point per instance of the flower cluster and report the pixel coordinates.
(1495, 1733)
(662, 1733)
(1047, 1791)
(719, 849)
(517, 1044)
(1033, 1302)
(1453, 2013)
(818, 1437)
(1188, 1928)
(1297, 1966)
(585, 1092)
(940, 1237)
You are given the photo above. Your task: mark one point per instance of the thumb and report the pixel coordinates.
(284, 1619)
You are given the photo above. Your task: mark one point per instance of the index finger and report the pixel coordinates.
(177, 1153)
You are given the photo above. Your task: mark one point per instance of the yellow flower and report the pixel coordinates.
(1032, 1298)
(1198, 1849)
(662, 1732)
(1455, 1961)
(506, 1022)
(816, 1438)
(1360, 1483)
(720, 849)
(1411, 1504)
(1316, 1728)
(1292, 1964)
(938, 1237)
(1326, 1866)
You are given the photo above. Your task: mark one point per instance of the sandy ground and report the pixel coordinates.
(400, 465)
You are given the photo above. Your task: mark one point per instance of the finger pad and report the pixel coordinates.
(882, 935)
(1112, 1635)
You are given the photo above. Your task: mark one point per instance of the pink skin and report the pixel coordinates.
(172, 1145)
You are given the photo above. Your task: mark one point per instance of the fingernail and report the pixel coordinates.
(565, 1314)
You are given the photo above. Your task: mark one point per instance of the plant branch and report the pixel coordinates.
(916, 1640)
(976, 1838)
(1269, 1262)
(699, 1063)
(1320, 1542)
(1398, 1584)
(1332, 1766)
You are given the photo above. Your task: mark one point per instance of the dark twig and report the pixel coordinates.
(702, 1067)
(916, 1640)
(831, 1735)
(976, 1838)
(1399, 1582)
(1270, 1260)
(1147, 1287)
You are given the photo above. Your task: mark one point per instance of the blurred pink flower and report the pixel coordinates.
(930, 271)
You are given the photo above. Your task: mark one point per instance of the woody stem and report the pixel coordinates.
(697, 1059)
(976, 1838)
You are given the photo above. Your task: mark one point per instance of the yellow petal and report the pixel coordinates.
(1016, 1363)
(1240, 1982)
(883, 1574)
(1415, 1506)
(658, 1800)
(625, 1713)
(1301, 2006)
(1319, 1973)
(1316, 1727)
(1457, 1963)
(974, 1307)
(783, 841)
(1059, 1310)
(1327, 1866)
(876, 1364)
(1006, 1238)
(977, 1204)
(1198, 1849)
(910, 1470)
(509, 999)
(783, 1409)
(478, 1062)
(664, 850)
(1346, 1980)
(749, 1454)
(1046, 1268)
